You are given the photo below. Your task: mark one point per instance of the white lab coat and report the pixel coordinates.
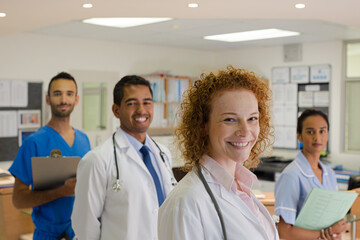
(100, 212)
(188, 213)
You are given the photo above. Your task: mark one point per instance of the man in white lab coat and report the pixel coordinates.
(119, 186)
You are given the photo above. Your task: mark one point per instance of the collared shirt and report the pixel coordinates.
(138, 145)
(295, 184)
(245, 179)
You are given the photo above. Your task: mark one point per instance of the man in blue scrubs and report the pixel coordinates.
(51, 208)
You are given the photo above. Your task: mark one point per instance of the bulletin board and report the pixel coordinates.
(10, 145)
(294, 90)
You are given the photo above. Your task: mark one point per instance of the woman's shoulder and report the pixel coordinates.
(188, 190)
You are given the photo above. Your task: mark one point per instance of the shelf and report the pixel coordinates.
(160, 131)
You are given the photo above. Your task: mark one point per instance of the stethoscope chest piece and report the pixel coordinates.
(117, 186)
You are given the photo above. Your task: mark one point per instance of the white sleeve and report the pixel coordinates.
(90, 194)
(179, 223)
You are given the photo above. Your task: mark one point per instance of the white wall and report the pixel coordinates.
(34, 57)
(38, 58)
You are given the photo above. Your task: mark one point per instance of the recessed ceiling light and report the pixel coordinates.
(300, 5)
(124, 22)
(252, 35)
(193, 5)
(2, 14)
(87, 5)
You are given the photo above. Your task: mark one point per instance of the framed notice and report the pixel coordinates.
(281, 75)
(320, 74)
(29, 119)
(300, 74)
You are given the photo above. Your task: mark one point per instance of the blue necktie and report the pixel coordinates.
(147, 160)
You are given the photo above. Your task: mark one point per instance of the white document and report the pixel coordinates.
(290, 138)
(19, 93)
(278, 94)
(290, 116)
(279, 136)
(281, 75)
(285, 137)
(300, 74)
(4, 93)
(320, 74)
(8, 124)
(29, 119)
(278, 115)
(321, 99)
(291, 94)
(306, 99)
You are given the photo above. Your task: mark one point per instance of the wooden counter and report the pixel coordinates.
(268, 201)
(13, 222)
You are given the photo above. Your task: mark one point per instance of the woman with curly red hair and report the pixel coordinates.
(224, 126)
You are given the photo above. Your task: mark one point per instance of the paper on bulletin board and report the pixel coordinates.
(4, 93)
(320, 74)
(19, 93)
(281, 75)
(29, 119)
(8, 124)
(290, 115)
(278, 115)
(300, 74)
(323, 208)
(321, 99)
(306, 99)
(285, 137)
(278, 94)
(291, 94)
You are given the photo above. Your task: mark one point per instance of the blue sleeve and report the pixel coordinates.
(21, 167)
(287, 195)
(82, 144)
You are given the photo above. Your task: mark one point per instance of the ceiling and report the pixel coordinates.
(321, 20)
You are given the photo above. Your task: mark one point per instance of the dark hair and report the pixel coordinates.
(127, 81)
(62, 75)
(308, 113)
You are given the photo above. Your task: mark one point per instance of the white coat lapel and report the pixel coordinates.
(130, 151)
(224, 194)
(267, 215)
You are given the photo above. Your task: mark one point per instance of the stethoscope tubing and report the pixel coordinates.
(213, 199)
(116, 185)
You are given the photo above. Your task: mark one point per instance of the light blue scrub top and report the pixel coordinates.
(295, 184)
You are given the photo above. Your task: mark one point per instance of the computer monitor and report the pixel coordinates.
(354, 182)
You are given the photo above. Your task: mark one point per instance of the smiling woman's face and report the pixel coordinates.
(233, 126)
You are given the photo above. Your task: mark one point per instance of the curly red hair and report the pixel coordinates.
(190, 134)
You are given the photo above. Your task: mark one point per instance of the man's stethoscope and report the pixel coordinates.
(117, 185)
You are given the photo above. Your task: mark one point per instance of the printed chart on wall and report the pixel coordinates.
(20, 114)
(294, 90)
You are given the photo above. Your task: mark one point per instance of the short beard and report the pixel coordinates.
(60, 114)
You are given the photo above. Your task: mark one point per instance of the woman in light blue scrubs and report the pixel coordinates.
(302, 175)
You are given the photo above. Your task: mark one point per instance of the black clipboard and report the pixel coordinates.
(51, 172)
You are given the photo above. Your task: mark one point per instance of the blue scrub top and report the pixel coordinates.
(295, 184)
(53, 218)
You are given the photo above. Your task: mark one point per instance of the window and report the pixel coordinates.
(352, 99)
(94, 106)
